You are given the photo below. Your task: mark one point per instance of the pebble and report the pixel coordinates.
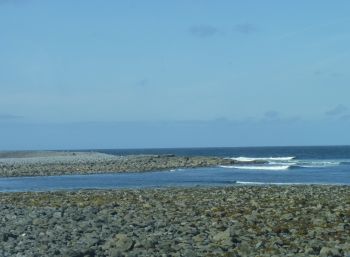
(178, 222)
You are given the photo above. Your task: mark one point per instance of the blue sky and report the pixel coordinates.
(116, 74)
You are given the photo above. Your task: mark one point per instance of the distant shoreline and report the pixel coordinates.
(46, 163)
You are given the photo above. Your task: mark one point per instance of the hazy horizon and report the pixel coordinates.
(91, 74)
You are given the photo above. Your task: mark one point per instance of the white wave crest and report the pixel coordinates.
(251, 159)
(174, 170)
(268, 183)
(281, 167)
(283, 163)
(318, 164)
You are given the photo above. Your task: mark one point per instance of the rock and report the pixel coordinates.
(258, 244)
(199, 238)
(244, 249)
(165, 245)
(309, 250)
(181, 222)
(146, 205)
(326, 251)
(287, 216)
(115, 253)
(57, 215)
(318, 221)
(341, 227)
(223, 238)
(121, 242)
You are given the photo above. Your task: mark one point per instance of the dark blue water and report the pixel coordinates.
(300, 152)
(284, 165)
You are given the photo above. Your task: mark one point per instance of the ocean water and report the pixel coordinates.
(282, 166)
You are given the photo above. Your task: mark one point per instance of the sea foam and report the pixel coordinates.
(252, 159)
(254, 167)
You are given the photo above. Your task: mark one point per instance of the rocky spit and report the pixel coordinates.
(67, 163)
(219, 221)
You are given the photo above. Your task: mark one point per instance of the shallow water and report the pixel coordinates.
(181, 177)
(284, 165)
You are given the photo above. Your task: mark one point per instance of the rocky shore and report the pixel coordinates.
(68, 163)
(228, 221)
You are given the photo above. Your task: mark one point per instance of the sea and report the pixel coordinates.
(306, 165)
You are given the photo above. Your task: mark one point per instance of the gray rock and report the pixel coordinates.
(287, 216)
(121, 242)
(326, 251)
(223, 238)
(244, 249)
(180, 222)
(57, 215)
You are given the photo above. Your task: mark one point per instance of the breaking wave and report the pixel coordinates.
(251, 159)
(281, 167)
(281, 163)
(316, 164)
(268, 183)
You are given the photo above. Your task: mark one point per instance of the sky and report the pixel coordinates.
(140, 74)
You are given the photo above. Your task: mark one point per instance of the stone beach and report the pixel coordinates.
(223, 221)
(68, 163)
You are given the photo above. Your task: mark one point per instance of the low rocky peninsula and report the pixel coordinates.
(14, 164)
(225, 221)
